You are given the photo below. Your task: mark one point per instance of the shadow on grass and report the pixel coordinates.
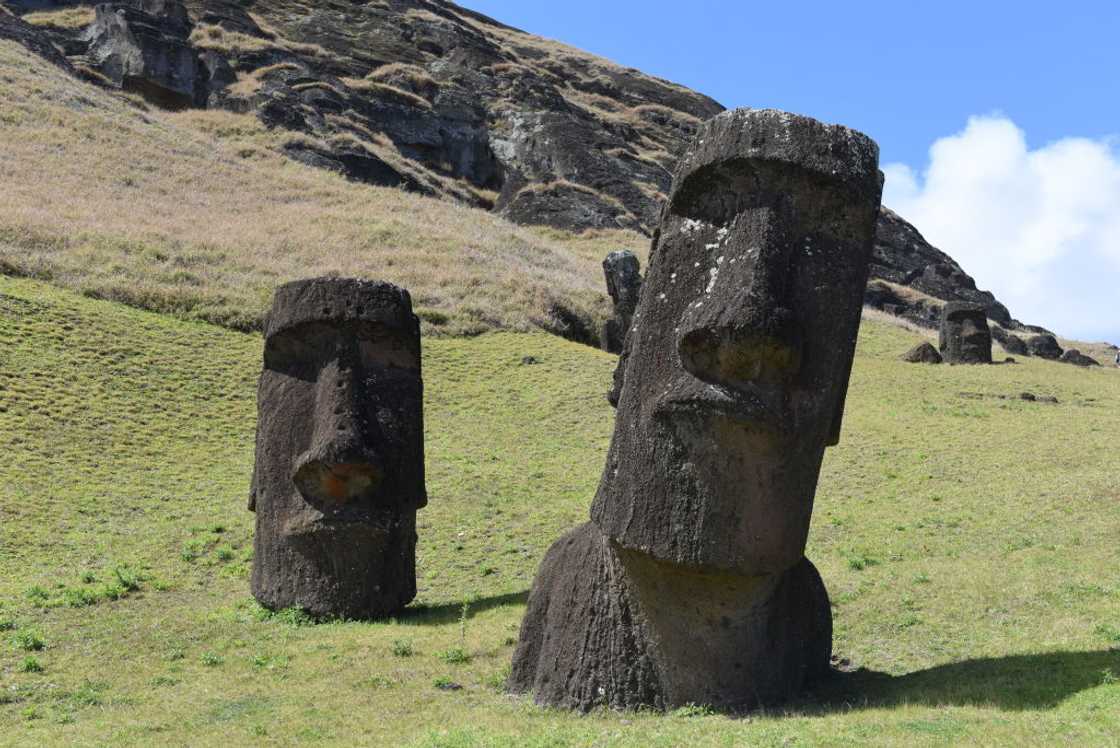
(1016, 682)
(434, 615)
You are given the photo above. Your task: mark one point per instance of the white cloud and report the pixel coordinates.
(1039, 228)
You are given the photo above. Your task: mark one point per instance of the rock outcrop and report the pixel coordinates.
(431, 97)
(922, 353)
(1011, 343)
(34, 39)
(142, 46)
(1044, 346)
(1077, 358)
(422, 94)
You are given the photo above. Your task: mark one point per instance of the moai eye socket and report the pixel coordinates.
(302, 350)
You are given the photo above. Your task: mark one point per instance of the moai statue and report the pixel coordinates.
(965, 337)
(690, 583)
(339, 470)
(624, 284)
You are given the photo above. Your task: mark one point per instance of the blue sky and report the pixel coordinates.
(1036, 83)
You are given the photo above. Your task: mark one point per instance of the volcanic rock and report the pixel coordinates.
(1044, 346)
(1077, 358)
(34, 39)
(965, 337)
(143, 46)
(690, 584)
(339, 471)
(1010, 342)
(624, 286)
(923, 353)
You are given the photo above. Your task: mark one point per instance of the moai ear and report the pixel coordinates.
(253, 493)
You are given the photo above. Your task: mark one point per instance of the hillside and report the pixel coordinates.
(967, 541)
(196, 213)
(430, 97)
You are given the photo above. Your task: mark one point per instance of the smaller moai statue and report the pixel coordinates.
(965, 337)
(339, 471)
(624, 284)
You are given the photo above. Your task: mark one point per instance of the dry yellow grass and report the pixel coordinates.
(195, 213)
(386, 91)
(75, 17)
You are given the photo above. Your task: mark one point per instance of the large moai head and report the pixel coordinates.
(965, 337)
(741, 348)
(339, 470)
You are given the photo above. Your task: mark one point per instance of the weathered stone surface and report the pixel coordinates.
(922, 353)
(690, 585)
(1044, 346)
(624, 285)
(903, 256)
(1011, 343)
(496, 118)
(142, 45)
(965, 337)
(12, 28)
(339, 471)
(1077, 358)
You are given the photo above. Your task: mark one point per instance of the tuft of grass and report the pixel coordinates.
(454, 656)
(29, 640)
(67, 19)
(402, 648)
(31, 664)
(693, 710)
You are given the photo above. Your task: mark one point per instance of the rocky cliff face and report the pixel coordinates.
(434, 98)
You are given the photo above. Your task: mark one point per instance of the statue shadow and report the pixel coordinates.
(1013, 683)
(434, 615)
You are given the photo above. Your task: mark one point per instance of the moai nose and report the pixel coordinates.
(339, 467)
(755, 337)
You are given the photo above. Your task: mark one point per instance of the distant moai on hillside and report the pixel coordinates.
(690, 584)
(965, 337)
(624, 284)
(339, 472)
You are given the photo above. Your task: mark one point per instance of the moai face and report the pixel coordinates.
(339, 468)
(965, 336)
(742, 345)
(624, 280)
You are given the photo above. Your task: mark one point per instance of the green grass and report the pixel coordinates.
(969, 545)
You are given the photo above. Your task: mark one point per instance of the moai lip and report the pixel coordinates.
(690, 584)
(965, 337)
(339, 471)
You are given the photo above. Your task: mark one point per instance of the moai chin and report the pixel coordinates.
(624, 285)
(965, 337)
(339, 472)
(690, 584)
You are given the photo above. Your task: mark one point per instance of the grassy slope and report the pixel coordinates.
(969, 546)
(196, 214)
